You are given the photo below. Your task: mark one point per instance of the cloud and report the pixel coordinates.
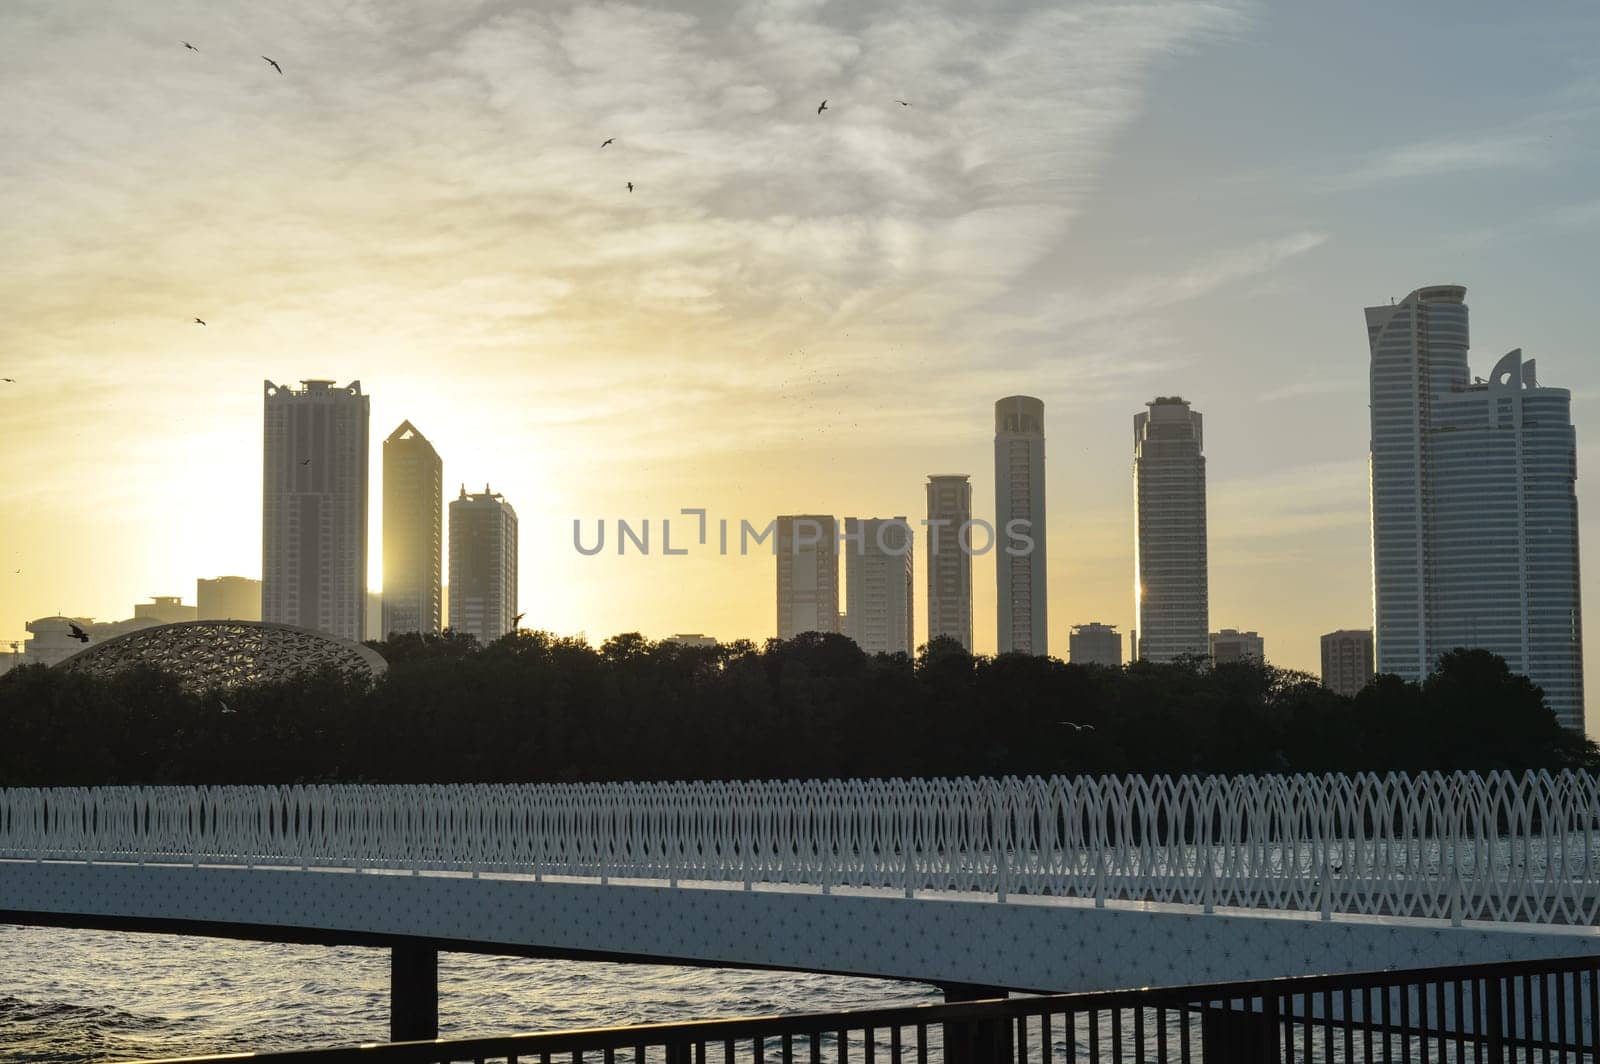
(1498, 150)
(427, 187)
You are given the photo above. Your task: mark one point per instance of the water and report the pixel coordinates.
(84, 997)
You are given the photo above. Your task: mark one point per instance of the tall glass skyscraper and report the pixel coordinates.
(413, 533)
(1474, 508)
(1171, 582)
(314, 507)
(1020, 578)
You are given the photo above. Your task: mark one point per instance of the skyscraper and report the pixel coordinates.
(483, 565)
(1347, 660)
(1095, 644)
(808, 574)
(413, 532)
(1020, 580)
(1474, 509)
(1169, 485)
(879, 603)
(950, 558)
(314, 507)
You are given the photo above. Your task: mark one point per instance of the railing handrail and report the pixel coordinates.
(679, 1032)
(1446, 846)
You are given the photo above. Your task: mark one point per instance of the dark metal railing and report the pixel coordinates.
(1496, 1014)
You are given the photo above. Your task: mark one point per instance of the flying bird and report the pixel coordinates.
(517, 620)
(78, 633)
(189, 46)
(821, 107)
(305, 461)
(9, 380)
(902, 103)
(1075, 727)
(275, 65)
(608, 140)
(630, 186)
(197, 321)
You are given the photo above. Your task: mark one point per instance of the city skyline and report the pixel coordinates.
(730, 338)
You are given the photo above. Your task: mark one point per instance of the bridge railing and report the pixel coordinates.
(1500, 846)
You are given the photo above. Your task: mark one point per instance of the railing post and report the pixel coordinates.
(1209, 896)
(1327, 883)
(1494, 1035)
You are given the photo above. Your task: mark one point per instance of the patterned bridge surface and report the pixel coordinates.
(1058, 884)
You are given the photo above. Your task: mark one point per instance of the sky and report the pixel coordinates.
(793, 312)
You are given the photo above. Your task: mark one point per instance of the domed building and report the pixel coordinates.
(207, 654)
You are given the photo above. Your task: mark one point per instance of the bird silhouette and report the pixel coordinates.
(608, 140)
(197, 321)
(821, 107)
(1075, 727)
(9, 380)
(902, 103)
(189, 46)
(275, 65)
(630, 186)
(305, 461)
(78, 633)
(517, 620)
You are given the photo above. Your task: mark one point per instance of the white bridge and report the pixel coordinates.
(1040, 884)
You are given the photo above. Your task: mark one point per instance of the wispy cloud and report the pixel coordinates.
(1495, 150)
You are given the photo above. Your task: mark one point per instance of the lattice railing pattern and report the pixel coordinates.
(1502, 847)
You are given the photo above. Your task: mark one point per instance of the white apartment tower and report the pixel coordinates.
(1169, 485)
(879, 604)
(808, 574)
(413, 533)
(483, 565)
(1020, 580)
(314, 507)
(950, 558)
(1474, 510)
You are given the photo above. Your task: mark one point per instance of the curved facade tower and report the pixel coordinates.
(413, 533)
(1020, 577)
(1474, 508)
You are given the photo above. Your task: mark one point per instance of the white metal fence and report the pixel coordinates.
(1500, 847)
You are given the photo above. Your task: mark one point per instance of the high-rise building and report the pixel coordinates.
(950, 558)
(314, 508)
(808, 574)
(1474, 508)
(1169, 485)
(1230, 644)
(1020, 580)
(1347, 660)
(413, 532)
(227, 598)
(164, 609)
(483, 565)
(879, 602)
(1095, 644)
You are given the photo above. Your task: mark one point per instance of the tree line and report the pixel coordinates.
(537, 707)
